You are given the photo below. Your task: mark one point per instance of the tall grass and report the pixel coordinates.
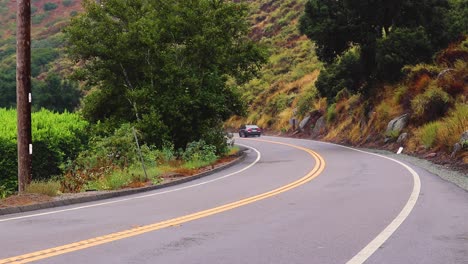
(428, 134)
(453, 126)
(50, 187)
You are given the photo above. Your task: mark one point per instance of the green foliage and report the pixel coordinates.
(390, 34)
(56, 94)
(50, 6)
(402, 46)
(7, 86)
(431, 104)
(343, 73)
(40, 58)
(56, 138)
(38, 17)
(67, 2)
(457, 19)
(164, 63)
(413, 72)
(199, 151)
(331, 113)
(118, 149)
(5, 191)
(393, 134)
(305, 102)
(399, 94)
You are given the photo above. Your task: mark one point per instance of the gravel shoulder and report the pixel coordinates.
(458, 178)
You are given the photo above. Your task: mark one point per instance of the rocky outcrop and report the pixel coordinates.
(309, 121)
(304, 122)
(462, 144)
(394, 127)
(319, 127)
(402, 138)
(464, 139)
(397, 124)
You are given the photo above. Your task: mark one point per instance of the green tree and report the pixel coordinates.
(56, 94)
(163, 65)
(403, 47)
(337, 25)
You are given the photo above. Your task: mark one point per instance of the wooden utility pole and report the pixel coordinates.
(23, 92)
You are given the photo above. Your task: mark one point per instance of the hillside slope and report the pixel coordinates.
(286, 84)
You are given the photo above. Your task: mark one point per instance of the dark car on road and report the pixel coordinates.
(249, 130)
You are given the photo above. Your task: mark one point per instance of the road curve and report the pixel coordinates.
(298, 201)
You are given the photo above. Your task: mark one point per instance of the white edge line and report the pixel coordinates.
(142, 196)
(378, 241)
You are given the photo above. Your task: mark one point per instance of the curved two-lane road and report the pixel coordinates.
(289, 201)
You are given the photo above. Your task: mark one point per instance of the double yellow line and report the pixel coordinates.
(38, 255)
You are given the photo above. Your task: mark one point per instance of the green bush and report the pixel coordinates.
(37, 18)
(431, 104)
(331, 113)
(344, 72)
(403, 46)
(118, 149)
(199, 151)
(214, 136)
(50, 6)
(56, 138)
(67, 2)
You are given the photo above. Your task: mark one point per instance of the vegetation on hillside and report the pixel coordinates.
(285, 86)
(48, 18)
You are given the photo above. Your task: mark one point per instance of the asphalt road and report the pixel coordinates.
(282, 204)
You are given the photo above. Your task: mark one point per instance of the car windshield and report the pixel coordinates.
(251, 126)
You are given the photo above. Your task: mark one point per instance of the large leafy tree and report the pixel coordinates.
(337, 25)
(163, 65)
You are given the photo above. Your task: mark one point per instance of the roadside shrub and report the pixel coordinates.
(165, 155)
(430, 105)
(116, 150)
(8, 166)
(56, 138)
(199, 151)
(215, 136)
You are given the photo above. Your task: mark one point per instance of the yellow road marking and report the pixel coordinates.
(47, 253)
